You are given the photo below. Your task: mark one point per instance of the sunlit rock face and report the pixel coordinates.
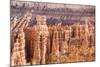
(18, 51)
(44, 44)
(42, 37)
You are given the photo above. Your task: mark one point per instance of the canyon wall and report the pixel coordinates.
(46, 44)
